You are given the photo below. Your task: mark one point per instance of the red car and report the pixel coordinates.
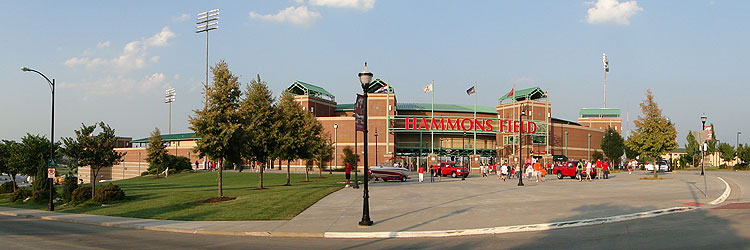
(569, 169)
(450, 168)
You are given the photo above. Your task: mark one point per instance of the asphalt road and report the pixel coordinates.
(700, 229)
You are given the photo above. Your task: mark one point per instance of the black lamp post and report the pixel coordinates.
(365, 78)
(376, 146)
(520, 147)
(52, 134)
(703, 127)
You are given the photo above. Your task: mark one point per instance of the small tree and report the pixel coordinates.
(292, 132)
(654, 134)
(692, 149)
(350, 158)
(613, 145)
(9, 154)
(597, 155)
(727, 151)
(258, 124)
(95, 151)
(219, 124)
(630, 153)
(34, 153)
(156, 150)
(324, 154)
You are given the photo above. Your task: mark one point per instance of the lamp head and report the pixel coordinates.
(365, 77)
(25, 69)
(703, 118)
(335, 125)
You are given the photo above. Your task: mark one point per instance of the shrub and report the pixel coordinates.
(109, 193)
(176, 163)
(19, 195)
(742, 166)
(6, 188)
(71, 184)
(81, 194)
(40, 196)
(144, 173)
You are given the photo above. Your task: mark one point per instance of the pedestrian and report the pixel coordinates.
(432, 174)
(605, 169)
(348, 173)
(196, 165)
(599, 168)
(518, 171)
(579, 170)
(588, 170)
(529, 171)
(485, 170)
(504, 171)
(439, 173)
(421, 174)
(630, 166)
(537, 171)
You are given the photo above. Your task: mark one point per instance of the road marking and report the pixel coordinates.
(724, 195)
(509, 229)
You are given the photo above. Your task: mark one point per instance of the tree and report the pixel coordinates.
(630, 153)
(292, 133)
(218, 125)
(313, 141)
(350, 158)
(156, 151)
(324, 154)
(258, 124)
(34, 153)
(727, 151)
(613, 145)
(692, 149)
(8, 154)
(654, 134)
(95, 151)
(597, 155)
(743, 153)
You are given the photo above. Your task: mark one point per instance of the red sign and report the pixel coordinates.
(708, 130)
(539, 152)
(50, 173)
(359, 113)
(468, 124)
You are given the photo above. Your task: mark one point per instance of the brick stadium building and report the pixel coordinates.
(411, 131)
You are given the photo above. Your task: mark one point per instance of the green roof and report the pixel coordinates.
(428, 107)
(303, 88)
(599, 113)
(532, 93)
(377, 84)
(565, 121)
(171, 137)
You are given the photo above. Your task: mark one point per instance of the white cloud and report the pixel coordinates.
(363, 5)
(295, 15)
(102, 44)
(118, 85)
(133, 56)
(181, 18)
(612, 11)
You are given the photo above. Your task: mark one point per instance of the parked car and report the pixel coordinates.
(4, 179)
(663, 166)
(569, 169)
(450, 168)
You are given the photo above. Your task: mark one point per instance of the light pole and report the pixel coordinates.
(365, 78)
(566, 143)
(520, 148)
(207, 21)
(169, 98)
(703, 127)
(588, 149)
(335, 147)
(51, 137)
(376, 146)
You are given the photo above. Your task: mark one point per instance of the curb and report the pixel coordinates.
(724, 195)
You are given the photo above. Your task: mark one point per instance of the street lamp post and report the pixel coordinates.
(703, 127)
(365, 78)
(520, 148)
(566, 143)
(207, 21)
(51, 137)
(335, 147)
(169, 98)
(376, 146)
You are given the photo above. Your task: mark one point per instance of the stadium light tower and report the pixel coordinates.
(207, 21)
(169, 98)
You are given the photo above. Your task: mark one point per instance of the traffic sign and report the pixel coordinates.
(51, 163)
(50, 173)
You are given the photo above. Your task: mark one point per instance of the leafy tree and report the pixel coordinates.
(350, 158)
(727, 151)
(95, 151)
(654, 134)
(613, 145)
(597, 155)
(630, 153)
(258, 124)
(156, 151)
(324, 154)
(313, 140)
(8, 156)
(692, 149)
(292, 133)
(32, 161)
(218, 124)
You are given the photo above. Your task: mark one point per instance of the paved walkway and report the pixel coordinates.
(455, 204)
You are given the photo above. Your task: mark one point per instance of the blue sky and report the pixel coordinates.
(112, 60)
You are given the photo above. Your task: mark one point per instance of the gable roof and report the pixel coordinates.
(171, 137)
(303, 88)
(532, 93)
(377, 84)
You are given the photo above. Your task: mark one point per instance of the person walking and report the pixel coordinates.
(348, 173)
(599, 168)
(579, 170)
(605, 170)
(529, 171)
(504, 171)
(421, 174)
(537, 171)
(588, 170)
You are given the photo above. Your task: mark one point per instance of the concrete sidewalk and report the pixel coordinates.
(451, 204)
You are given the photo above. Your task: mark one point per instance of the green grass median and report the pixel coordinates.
(176, 197)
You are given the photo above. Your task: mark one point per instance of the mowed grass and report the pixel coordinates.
(176, 197)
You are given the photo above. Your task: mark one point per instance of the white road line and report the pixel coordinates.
(724, 195)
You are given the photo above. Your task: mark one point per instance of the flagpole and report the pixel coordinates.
(387, 118)
(475, 117)
(432, 131)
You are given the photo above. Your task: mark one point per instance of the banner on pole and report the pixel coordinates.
(359, 107)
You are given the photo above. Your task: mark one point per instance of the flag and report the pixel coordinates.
(428, 88)
(510, 94)
(382, 89)
(470, 91)
(606, 63)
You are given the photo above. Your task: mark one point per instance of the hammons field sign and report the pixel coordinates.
(469, 124)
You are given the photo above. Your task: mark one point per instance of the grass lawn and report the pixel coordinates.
(176, 197)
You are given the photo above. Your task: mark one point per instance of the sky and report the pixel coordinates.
(113, 60)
